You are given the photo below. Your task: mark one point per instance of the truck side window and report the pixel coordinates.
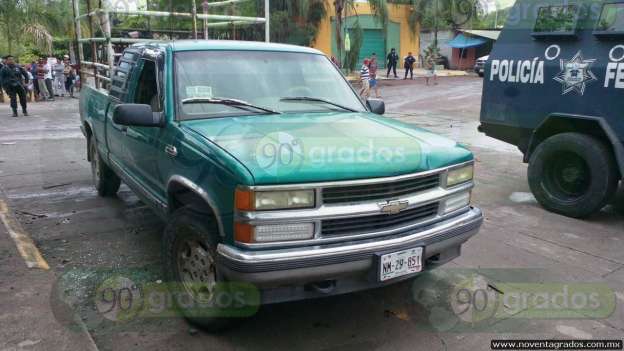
(611, 18)
(556, 20)
(147, 88)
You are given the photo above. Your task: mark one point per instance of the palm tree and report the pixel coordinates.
(22, 19)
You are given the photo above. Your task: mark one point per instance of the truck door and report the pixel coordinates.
(115, 133)
(143, 144)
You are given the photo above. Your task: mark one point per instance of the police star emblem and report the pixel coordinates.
(576, 74)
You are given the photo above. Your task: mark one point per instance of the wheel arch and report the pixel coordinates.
(182, 192)
(590, 125)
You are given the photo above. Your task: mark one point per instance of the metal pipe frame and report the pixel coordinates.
(108, 40)
(176, 14)
(224, 3)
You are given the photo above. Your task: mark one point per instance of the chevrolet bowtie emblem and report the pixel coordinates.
(393, 207)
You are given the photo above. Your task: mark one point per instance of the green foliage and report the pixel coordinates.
(431, 55)
(556, 19)
(33, 23)
(296, 22)
(356, 35)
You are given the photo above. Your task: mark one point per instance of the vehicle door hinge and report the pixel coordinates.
(171, 150)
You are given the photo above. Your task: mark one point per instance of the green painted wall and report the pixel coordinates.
(373, 31)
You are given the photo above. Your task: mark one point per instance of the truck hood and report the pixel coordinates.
(316, 147)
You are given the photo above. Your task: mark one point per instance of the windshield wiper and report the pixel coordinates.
(313, 99)
(227, 102)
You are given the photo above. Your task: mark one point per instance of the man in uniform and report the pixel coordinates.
(11, 77)
(393, 59)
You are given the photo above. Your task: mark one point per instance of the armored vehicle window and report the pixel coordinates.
(556, 20)
(611, 18)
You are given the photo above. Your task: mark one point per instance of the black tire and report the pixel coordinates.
(481, 74)
(189, 225)
(106, 182)
(618, 200)
(573, 174)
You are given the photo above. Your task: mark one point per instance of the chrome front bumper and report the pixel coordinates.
(268, 268)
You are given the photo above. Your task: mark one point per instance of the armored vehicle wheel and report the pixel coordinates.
(573, 174)
(105, 180)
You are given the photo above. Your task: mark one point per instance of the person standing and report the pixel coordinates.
(58, 70)
(30, 85)
(48, 78)
(365, 78)
(393, 59)
(13, 78)
(430, 66)
(41, 74)
(410, 60)
(372, 68)
(1, 91)
(35, 83)
(70, 76)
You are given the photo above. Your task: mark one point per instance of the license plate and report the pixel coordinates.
(397, 264)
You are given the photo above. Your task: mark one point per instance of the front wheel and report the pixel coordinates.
(189, 259)
(105, 180)
(573, 174)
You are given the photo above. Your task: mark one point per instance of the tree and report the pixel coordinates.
(34, 23)
(441, 14)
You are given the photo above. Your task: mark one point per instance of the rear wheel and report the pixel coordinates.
(618, 201)
(573, 174)
(105, 180)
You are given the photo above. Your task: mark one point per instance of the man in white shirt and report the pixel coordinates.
(48, 78)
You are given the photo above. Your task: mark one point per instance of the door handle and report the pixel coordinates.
(124, 129)
(171, 150)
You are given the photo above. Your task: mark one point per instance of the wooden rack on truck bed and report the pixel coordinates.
(102, 48)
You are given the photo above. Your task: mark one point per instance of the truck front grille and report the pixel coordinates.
(381, 191)
(367, 224)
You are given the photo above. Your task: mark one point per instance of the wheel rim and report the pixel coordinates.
(568, 176)
(196, 269)
(95, 166)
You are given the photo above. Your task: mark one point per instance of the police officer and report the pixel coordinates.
(393, 59)
(11, 78)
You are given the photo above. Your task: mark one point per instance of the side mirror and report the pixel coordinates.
(137, 115)
(376, 106)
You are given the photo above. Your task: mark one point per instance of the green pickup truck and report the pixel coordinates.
(270, 170)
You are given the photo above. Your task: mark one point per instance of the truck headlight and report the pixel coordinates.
(247, 233)
(273, 200)
(460, 175)
(456, 202)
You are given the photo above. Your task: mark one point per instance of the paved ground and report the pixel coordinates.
(85, 239)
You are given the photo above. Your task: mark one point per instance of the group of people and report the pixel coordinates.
(39, 81)
(368, 72)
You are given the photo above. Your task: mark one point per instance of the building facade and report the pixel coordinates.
(398, 34)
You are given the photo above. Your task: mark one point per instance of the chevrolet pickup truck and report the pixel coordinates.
(270, 170)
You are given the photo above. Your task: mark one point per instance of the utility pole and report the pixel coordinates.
(194, 12)
(205, 6)
(267, 24)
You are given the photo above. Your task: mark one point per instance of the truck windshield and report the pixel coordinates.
(280, 81)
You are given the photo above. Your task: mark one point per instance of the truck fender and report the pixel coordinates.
(540, 134)
(177, 182)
